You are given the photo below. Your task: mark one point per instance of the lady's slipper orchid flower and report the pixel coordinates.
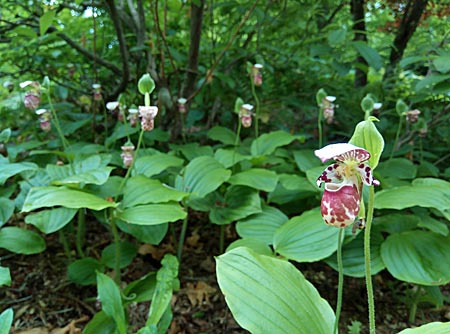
(246, 114)
(148, 115)
(182, 105)
(343, 182)
(44, 119)
(257, 75)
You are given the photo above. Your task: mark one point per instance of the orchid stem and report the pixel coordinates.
(81, 231)
(181, 239)
(255, 96)
(319, 127)
(397, 136)
(340, 281)
(370, 297)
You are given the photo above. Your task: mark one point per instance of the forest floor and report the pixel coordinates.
(45, 302)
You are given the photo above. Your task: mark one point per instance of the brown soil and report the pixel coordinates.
(44, 301)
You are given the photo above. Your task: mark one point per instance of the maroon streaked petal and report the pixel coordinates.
(329, 175)
(340, 204)
(366, 175)
(335, 151)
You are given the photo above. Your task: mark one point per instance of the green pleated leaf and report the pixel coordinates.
(396, 222)
(20, 241)
(142, 190)
(419, 257)
(6, 319)
(45, 21)
(268, 142)
(255, 245)
(202, 176)
(229, 157)
(149, 234)
(400, 168)
(100, 324)
(298, 183)
(305, 159)
(239, 202)
(142, 289)
(6, 210)
(417, 194)
(154, 164)
(262, 226)
(369, 54)
(84, 271)
(269, 295)
(431, 328)
(433, 225)
(353, 256)
(5, 276)
(40, 197)
(52, 220)
(367, 136)
(165, 278)
(152, 214)
(306, 238)
(110, 297)
(96, 176)
(8, 170)
(193, 150)
(128, 251)
(257, 178)
(222, 134)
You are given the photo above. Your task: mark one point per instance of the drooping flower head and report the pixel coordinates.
(182, 105)
(328, 108)
(32, 97)
(412, 116)
(343, 180)
(44, 119)
(257, 74)
(246, 114)
(97, 92)
(132, 116)
(148, 115)
(127, 154)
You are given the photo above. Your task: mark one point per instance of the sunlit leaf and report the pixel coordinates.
(257, 178)
(109, 295)
(152, 214)
(52, 220)
(21, 241)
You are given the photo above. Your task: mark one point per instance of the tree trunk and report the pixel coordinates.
(359, 27)
(410, 21)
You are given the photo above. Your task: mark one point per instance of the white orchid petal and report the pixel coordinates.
(112, 105)
(333, 150)
(25, 83)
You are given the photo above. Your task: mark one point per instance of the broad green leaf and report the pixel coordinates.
(6, 210)
(96, 176)
(40, 197)
(398, 167)
(367, 136)
(5, 135)
(202, 176)
(306, 238)
(142, 190)
(8, 170)
(419, 257)
(51, 220)
(142, 289)
(5, 277)
(45, 21)
(149, 234)
(164, 289)
(413, 59)
(269, 295)
(229, 157)
(255, 245)
(336, 37)
(431, 80)
(21, 241)
(257, 178)
(152, 214)
(298, 183)
(151, 165)
(120, 131)
(353, 256)
(222, 134)
(433, 225)
(109, 295)
(128, 251)
(193, 150)
(442, 63)
(239, 202)
(101, 323)
(84, 271)
(422, 195)
(305, 159)
(430, 328)
(262, 226)
(369, 54)
(268, 142)
(396, 222)
(6, 319)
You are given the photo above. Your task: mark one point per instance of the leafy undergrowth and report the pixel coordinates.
(45, 302)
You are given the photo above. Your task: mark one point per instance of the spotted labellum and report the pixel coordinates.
(343, 180)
